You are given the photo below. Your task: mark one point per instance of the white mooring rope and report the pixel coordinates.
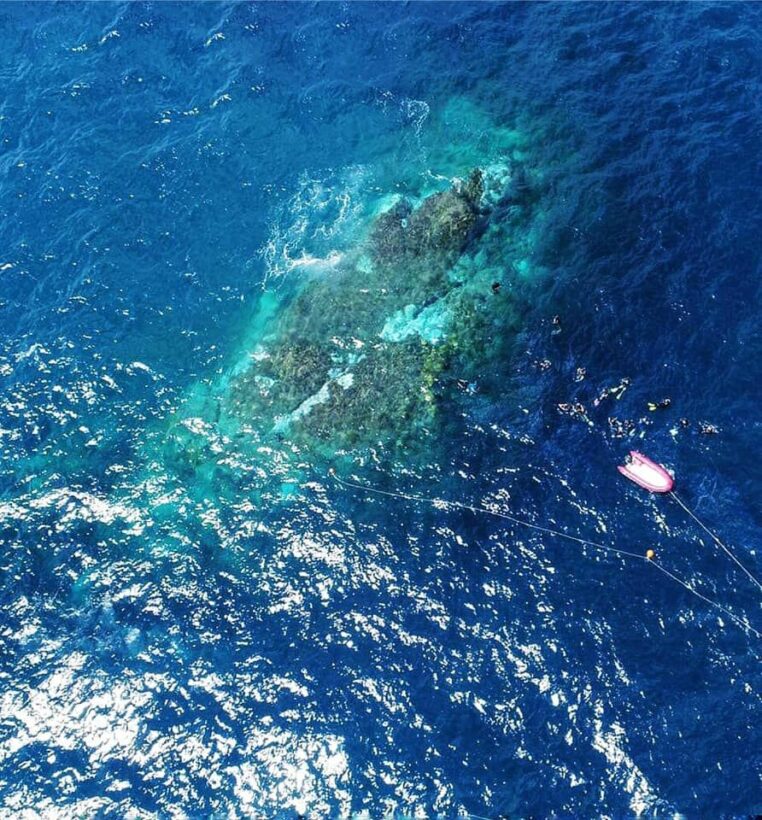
(440, 502)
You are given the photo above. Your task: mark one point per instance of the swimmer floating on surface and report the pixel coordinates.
(615, 392)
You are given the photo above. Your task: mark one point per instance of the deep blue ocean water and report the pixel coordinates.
(176, 649)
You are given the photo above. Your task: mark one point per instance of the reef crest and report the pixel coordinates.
(368, 351)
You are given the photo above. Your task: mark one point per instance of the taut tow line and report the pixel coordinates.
(716, 538)
(648, 558)
(655, 478)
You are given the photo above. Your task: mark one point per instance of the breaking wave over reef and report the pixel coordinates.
(257, 258)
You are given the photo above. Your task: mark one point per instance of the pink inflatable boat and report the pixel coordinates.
(646, 473)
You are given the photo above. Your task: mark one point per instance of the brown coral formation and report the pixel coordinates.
(369, 352)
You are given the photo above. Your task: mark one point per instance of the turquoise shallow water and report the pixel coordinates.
(197, 621)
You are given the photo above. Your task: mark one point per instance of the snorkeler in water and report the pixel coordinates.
(615, 392)
(575, 410)
(621, 427)
(659, 405)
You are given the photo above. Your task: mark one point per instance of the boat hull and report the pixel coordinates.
(646, 473)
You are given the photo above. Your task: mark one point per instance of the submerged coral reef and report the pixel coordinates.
(369, 351)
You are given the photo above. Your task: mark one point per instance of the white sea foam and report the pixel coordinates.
(313, 222)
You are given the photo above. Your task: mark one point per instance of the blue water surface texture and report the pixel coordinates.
(199, 209)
